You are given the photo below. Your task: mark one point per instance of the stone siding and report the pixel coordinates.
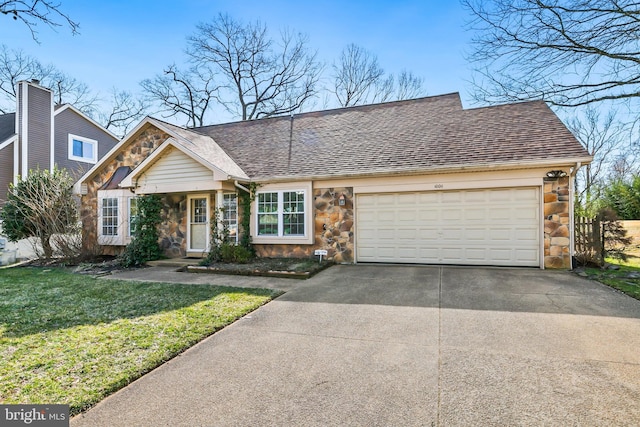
(138, 150)
(333, 228)
(556, 223)
(173, 229)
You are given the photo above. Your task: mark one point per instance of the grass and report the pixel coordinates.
(70, 339)
(626, 279)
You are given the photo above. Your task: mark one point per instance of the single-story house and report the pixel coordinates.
(414, 181)
(41, 134)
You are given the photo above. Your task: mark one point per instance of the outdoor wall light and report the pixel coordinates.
(556, 174)
(341, 200)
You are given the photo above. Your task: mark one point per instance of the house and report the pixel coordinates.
(414, 181)
(43, 135)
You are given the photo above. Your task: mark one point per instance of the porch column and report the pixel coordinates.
(219, 207)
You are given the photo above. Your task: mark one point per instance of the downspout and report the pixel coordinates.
(572, 224)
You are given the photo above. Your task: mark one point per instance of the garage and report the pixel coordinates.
(473, 227)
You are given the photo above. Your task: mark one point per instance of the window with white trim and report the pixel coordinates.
(132, 215)
(109, 216)
(281, 213)
(117, 213)
(83, 149)
(230, 215)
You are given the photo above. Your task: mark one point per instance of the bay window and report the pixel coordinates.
(117, 212)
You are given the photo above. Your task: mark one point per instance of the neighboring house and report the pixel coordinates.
(43, 135)
(415, 181)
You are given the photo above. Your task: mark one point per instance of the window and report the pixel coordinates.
(117, 214)
(133, 215)
(281, 213)
(230, 215)
(110, 216)
(267, 214)
(83, 149)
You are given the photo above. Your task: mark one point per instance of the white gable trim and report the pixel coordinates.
(217, 173)
(77, 188)
(84, 116)
(8, 142)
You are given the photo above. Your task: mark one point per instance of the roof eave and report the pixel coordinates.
(473, 167)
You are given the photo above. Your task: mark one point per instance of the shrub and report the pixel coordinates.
(144, 245)
(42, 206)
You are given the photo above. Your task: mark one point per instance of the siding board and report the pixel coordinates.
(175, 167)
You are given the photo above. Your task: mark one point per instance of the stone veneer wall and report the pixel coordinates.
(556, 223)
(173, 229)
(138, 150)
(333, 228)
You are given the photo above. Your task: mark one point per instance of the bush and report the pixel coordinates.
(42, 206)
(224, 250)
(144, 245)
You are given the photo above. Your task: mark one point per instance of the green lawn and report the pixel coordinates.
(71, 339)
(626, 279)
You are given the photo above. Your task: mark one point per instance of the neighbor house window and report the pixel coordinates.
(230, 215)
(281, 213)
(110, 216)
(83, 149)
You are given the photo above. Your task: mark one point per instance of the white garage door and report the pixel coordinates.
(475, 227)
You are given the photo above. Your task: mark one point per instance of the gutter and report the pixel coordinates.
(240, 186)
(431, 170)
(572, 222)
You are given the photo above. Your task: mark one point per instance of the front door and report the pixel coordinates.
(198, 223)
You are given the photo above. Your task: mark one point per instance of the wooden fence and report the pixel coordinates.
(600, 237)
(588, 239)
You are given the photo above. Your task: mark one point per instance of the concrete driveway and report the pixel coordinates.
(404, 346)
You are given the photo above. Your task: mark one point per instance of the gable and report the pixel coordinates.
(175, 171)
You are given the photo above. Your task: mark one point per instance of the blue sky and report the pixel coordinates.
(123, 42)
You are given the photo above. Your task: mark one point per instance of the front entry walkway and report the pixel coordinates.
(402, 345)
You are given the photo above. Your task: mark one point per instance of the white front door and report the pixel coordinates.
(198, 233)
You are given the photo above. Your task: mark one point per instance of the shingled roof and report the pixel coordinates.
(418, 135)
(7, 126)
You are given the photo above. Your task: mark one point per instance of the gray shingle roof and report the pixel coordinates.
(425, 134)
(203, 146)
(7, 126)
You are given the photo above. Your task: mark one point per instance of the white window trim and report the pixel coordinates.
(93, 142)
(123, 237)
(237, 223)
(130, 199)
(308, 237)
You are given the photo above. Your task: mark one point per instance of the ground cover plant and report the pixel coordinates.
(72, 339)
(621, 275)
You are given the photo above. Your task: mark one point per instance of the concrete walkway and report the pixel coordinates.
(404, 346)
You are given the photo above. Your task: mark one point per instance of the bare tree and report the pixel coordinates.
(409, 86)
(359, 79)
(568, 53)
(34, 12)
(604, 138)
(259, 76)
(15, 66)
(41, 206)
(179, 93)
(117, 113)
(125, 110)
